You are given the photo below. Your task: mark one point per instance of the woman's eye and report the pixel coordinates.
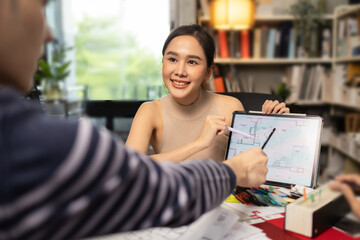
(172, 59)
(192, 62)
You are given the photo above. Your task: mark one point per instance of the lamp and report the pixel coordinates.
(232, 14)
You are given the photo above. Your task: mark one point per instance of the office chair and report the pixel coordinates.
(112, 109)
(253, 101)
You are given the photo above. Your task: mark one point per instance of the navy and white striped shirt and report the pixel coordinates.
(69, 180)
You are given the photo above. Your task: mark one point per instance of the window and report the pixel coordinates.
(117, 46)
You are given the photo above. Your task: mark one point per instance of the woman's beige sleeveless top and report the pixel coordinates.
(183, 124)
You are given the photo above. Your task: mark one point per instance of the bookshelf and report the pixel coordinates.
(276, 67)
(347, 59)
(336, 99)
(263, 61)
(265, 19)
(342, 91)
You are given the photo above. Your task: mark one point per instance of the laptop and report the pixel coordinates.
(293, 149)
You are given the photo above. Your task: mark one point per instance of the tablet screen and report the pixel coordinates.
(293, 149)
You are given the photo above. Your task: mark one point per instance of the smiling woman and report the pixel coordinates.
(190, 122)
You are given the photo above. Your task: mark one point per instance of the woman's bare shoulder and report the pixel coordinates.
(151, 105)
(151, 108)
(228, 101)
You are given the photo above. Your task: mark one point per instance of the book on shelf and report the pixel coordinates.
(319, 79)
(308, 82)
(228, 82)
(304, 82)
(352, 35)
(257, 43)
(229, 79)
(219, 84)
(315, 213)
(284, 39)
(326, 43)
(235, 83)
(292, 43)
(223, 44)
(264, 37)
(245, 44)
(245, 83)
(348, 36)
(251, 43)
(295, 81)
(340, 75)
(270, 53)
(341, 38)
(235, 44)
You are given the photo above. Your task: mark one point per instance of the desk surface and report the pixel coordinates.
(225, 223)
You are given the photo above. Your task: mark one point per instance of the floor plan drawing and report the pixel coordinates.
(291, 149)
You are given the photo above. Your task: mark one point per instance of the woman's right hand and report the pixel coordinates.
(213, 126)
(342, 184)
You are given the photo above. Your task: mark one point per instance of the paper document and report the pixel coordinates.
(218, 224)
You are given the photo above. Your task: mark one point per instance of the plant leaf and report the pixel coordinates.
(45, 69)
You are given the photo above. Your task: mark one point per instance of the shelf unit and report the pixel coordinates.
(267, 19)
(344, 149)
(254, 70)
(268, 73)
(264, 61)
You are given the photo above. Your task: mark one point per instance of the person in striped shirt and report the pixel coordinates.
(69, 180)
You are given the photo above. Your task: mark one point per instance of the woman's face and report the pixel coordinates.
(184, 69)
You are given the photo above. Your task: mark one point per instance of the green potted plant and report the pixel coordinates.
(307, 20)
(281, 90)
(52, 74)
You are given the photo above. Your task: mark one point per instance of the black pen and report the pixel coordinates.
(272, 132)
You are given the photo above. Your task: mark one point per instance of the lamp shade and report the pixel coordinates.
(232, 14)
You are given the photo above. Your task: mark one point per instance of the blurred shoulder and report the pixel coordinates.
(228, 102)
(151, 108)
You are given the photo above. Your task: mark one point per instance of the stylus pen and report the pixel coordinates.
(272, 132)
(238, 132)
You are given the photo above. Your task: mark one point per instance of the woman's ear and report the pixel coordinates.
(210, 72)
(208, 77)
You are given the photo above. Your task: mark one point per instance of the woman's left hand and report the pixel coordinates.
(274, 107)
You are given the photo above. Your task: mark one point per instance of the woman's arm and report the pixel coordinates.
(226, 105)
(143, 127)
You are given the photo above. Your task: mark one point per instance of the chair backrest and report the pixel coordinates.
(253, 101)
(112, 109)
